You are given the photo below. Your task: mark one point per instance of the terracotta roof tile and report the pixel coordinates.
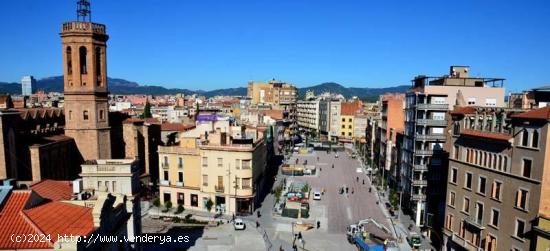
(13, 221)
(54, 190)
(541, 113)
(62, 218)
(274, 114)
(487, 135)
(152, 120)
(180, 127)
(463, 110)
(350, 108)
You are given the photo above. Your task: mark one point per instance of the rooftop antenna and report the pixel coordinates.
(83, 11)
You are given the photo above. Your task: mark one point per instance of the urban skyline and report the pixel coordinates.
(307, 44)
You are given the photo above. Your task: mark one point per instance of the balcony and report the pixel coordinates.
(475, 222)
(76, 26)
(180, 166)
(165, 166)
(424, 152)
(164, 182)
(430, 137)
(421, 197)
(432, 106)
(431, 122)
(219, 189)
(179, 184)
(420, 182)
(464, 243)
(421, 167)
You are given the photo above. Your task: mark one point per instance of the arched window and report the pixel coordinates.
(98, 65)
(69, 59)
(535, 140)
(494, 161)
(525, 138)
(70, 115)
(85, 115)
(83, 60)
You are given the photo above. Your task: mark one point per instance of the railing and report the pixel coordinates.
(419, 197)
(430, 137)
(83, 26)
(464, 243)
(165, 165)
(431, 122)
(180, 166)
(419, 167)
(420, 182)
(219, 189)
(164, 182)
(432, 106)
(424, 152)
(179, 184)
(474, 221)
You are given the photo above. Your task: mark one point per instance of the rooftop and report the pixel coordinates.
(539, 114)
(54, 190)
(487, 135)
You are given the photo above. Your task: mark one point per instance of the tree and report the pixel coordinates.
(180, 209)
(168, 205)
(209, 204)
(394, 199)
(305, 188)
(156, 202)
(147, 111)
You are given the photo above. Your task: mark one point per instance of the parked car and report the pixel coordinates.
(239, 224)
(336, 155)
(317, 195)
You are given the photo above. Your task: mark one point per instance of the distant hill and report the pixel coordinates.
(122, 86)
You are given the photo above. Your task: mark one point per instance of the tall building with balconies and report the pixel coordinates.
(497, 185)
(426, 107)
(392, 120)
(218, 166)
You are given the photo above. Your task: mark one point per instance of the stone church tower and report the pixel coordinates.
(85, 84)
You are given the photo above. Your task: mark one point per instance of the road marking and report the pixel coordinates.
(349, 213)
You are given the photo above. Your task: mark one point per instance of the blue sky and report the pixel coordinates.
(207, 44)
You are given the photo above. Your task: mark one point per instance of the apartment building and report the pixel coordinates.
(347, 116)
(224, 167)
(498, 183)
(312, 115)
(392, 120)
(335, 107)
(426, 107)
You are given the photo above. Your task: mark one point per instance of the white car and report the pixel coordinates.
(335, 155)
(317, 195)
(239, 224)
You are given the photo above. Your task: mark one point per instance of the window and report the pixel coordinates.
(194, 200)
(490, 102)
(98, 64)
(505, 163)
(69, 59)
(349, 127)
(101, 115)
(220, 162)
(349, 134)
(468, 181)
(522, 197)
(165, 161)
(246, 183)
(237, 164)
(520, 228)
(496, 190)
(466, 205)
(205, 180)
(454, 174)
(113, 184)
(526, 168)
(165, 175)
(246, 164)
(349, 120)
(449, 222)
(83, 60)
(343, 120)
(495, 214)
(181, 198)
(481, 185)
(455, 151)
(85, 115)
(343, 134)
(180, 176)
(535, 139)
(343, 127)
(479, 212)
(99, 184)
(485, 159)
(204, 161)
(438, 116)
(452, 196)
(107, 185)
(70, 115)
(180, 162)
(524, 138)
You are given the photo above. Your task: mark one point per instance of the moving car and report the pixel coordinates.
(239, 224)
(414, 240)
(317, 195)
(336, 155)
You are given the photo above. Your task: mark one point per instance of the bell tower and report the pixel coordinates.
(85, 84)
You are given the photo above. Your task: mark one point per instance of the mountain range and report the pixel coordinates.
(122, 86)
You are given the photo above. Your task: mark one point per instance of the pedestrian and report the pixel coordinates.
(332, 165)
(257, 224)
(281, 248)
(233, 218)
(299, 235)
(347, 189)
(352, 190)
(318, 224)
(258, 213)
(363, 181)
